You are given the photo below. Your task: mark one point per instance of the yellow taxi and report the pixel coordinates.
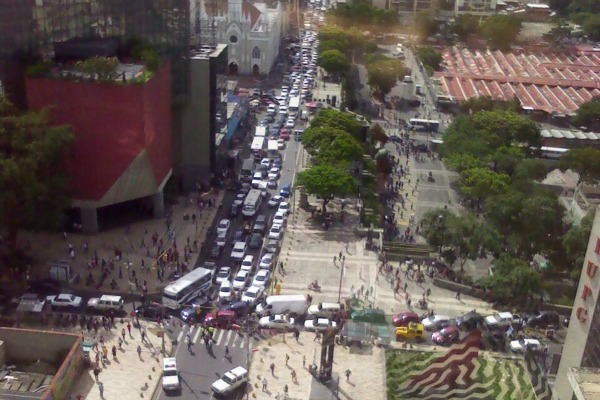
(412, 331)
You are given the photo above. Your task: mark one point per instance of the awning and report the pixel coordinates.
(312, 104)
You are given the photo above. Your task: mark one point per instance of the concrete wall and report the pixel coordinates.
(2, 354)
(31, 345)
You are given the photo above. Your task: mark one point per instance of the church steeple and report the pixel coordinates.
(235, 10)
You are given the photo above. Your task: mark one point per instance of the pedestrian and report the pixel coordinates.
(347, 373)
(105, 353)
(96, 373)
(101, 389)
(129, 329)
(287, 358)
(294, 378)
(143, 336)
(272, 369)
(303, 361)
(428, 292)
(334, 259)
(286, 389)
(317, 337)
(114, 351)
(264, 383)
(343, 258)
(408, 301)
(139, 351)
(120, 343)
(297, 335)
(227, 351)
(457, 297)
(340, 255)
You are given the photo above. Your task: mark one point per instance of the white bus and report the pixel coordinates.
(260, 131)
(424, 124)
(553, 153)
(187, 288)
(294, 104)
(252, 203)
(257, 147)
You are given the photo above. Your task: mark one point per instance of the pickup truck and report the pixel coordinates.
(502, 320)
(410, 332)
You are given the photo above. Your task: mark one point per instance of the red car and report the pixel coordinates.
(446, 336)
(225, 319)
(284, 134)
(403, 319)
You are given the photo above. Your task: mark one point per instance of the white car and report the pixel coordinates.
(501, 320)
(280, 144)
(278, 321)
(435, 322)
(223, 275)
(256, 182)
(225, 290)
(252, 294)
(247, 264)
(266, 261)
(276, 232)
(284, 208)
(289, 124)
(223, 227)
(239, 251)
(64, 300)
(241, 280)
(230, 381)
(519, 346)
(274, 201)
(279, 219)
(261, 279)
(319, 324)
(273, 176)
(221, 240)
(266, 162)
(170, 376)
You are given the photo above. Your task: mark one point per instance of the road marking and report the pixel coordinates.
(228, 336)
(219, 335)
(197, 335)
(181, 333)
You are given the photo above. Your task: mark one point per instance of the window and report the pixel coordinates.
(255, 52)
(233, 39)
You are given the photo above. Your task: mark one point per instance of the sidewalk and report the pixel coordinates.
(135, 242)
(367, 366)
(126, 377)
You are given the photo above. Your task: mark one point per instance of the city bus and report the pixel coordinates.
(257, 147)
(553, 153)
(424, 124)
(187, 288)
(252, 203)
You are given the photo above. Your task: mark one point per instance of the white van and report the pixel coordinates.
(407, 79)
(304, 115)
(230, 381)
(294, 304)
(170, 378)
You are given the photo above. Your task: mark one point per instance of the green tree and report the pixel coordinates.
(588, 114)
(591, 27)
(435, 227)
(333, 146)
(575, 242)
(338, 119)
(430, 56)
(340, 45)
(334, 62)
(479, 183)
(326, 181)
(33, 183)
(383, 75)
(513, 280)
(560, 6)
(501, 30)
(425, 24)
(465, 25)
(585, 161)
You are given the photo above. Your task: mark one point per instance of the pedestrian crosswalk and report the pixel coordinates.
(221, 337)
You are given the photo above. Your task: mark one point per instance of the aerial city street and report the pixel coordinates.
(314, 199)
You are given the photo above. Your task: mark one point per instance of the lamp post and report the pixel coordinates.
(341, 277)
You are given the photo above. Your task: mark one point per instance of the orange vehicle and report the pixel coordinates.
(412, 331)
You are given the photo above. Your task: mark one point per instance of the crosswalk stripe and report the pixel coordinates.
(197, 335)
(226, 341)
(218, 335)
(181, 333)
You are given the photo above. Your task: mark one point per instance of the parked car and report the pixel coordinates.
(276, 232)
(272, 246)
(266, 261)
(223, 227)
(223, 275)
(435, 322)
(150, 311)
(221, 318)
(412, 331)
(274, 201)
(240, 308)
(221, 240)
(279, 219)
(544, 319)
(106, 302)
(261, 279)
(403, 319)
(469, 321)
(193, 312)
(64, 300)
(215, 252)
(446, 336)
(252, 294)
(278, 321)
(284, 208)
(319, 324)
(286, 191)
(247, 264)
(230, 381)
(225, 291)
(502, 320)
(519, 346)
(256, 241)
(239, 251)
(170, 375)
(241, 280)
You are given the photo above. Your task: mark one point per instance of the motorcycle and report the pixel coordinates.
(314, 286)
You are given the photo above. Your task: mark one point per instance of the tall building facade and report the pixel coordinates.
(582, 344)
(29, 29)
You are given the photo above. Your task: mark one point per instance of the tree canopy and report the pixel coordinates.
(465, 25)
(337, 119)
(513, 280)
(334, 62)
(33, 182)
(430, 57)
(585, 161)
(425, 24)
(588, 114)
(362, 14)
(501, 30)
(326, 180)
(333, 146)
(383, 74)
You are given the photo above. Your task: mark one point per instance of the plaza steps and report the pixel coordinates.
(397, 251)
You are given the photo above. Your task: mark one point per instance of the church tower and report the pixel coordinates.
(234, 10)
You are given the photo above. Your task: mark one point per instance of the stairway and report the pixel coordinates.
(397, 251)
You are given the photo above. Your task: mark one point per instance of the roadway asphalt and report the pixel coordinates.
(201, 367)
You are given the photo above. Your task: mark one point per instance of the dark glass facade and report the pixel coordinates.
(29, 29)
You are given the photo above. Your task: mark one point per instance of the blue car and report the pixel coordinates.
(286, 191)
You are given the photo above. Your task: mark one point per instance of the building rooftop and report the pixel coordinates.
(546, 81)
(123, 72)
(205, 51)
(585, 382)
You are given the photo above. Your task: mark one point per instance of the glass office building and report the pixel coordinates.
(29, 29)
